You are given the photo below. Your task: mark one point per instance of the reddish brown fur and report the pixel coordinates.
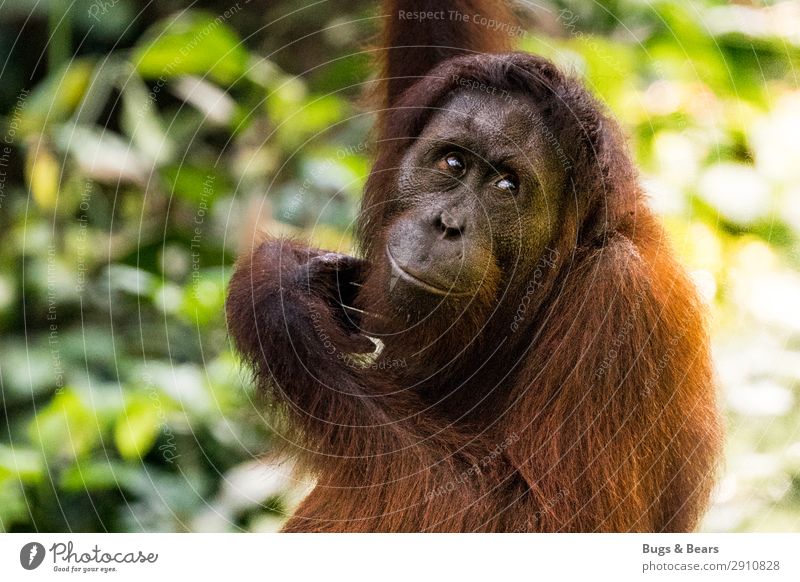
(595, 411)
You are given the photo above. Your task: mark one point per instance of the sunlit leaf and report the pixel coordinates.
(66, 427)
(20, 463)
(43, 172)
(137, 428)
(192, 43)
(55, 98)
(204, 297)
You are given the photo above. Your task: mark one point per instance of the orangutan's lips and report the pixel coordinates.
(417, 282)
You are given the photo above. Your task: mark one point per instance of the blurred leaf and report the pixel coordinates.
(216, 105)
(55, 98)
(140, 121)
(130, 279)
(99, 476)
(168, 297)
(20, 463)
(318, 114)
(13, 508)
(26, 371)
(65, 428)
(137, 428)
(43, 172)
(286, 98)
(737, 191)
(192, 43)
(104, 78)
(107, 398)
(194, 184)
(103, 155)
(8, 293)
(204, 297)
(609, 67)
(225, 384)
(183, 384)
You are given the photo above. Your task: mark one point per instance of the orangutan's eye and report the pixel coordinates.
(453, 163)
(508, 183)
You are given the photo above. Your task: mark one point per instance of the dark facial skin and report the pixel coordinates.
(478, 195)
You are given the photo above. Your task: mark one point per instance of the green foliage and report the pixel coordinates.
(137, 171)
(191, 43)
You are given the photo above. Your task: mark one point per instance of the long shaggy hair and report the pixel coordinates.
(580, 398)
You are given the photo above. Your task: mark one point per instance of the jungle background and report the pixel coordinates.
(141, 143)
